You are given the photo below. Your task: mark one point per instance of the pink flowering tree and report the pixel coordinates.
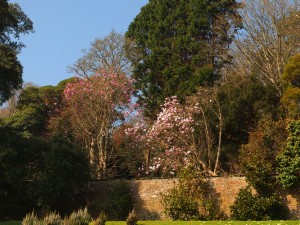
(95, 105)
(180, 137)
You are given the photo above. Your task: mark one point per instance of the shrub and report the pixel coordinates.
(179, 206)
(52, 219)
(30, 219)
(248, 206)
(117, 201)
(101, 219)
(192, 199)
(81, 217)
(289, 159)
(132, 218)
(57, 186)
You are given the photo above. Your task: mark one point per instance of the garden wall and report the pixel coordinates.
(147, 195)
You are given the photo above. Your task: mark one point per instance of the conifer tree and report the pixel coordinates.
(180, 44)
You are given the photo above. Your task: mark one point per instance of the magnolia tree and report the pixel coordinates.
(180, 137)
(95, 105)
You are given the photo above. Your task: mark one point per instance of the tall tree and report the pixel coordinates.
(105, 53)
(180, 45)
(95, 104)
(270, 35)
(13, 23)
(10, 73)
(36, 106)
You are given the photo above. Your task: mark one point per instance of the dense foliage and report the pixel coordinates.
(289, 159)
(13, 23)
(116, 202)
(180, 45)
(249, 206)
(39, 169)
(193, 198)
(207, 102)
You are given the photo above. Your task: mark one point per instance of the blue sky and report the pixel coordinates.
(63, 28)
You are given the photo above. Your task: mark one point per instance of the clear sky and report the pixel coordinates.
(63, 28)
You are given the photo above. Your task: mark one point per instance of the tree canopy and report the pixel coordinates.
(105, 53)
(13, 23)
(180, 45)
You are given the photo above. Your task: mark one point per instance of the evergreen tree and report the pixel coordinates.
(180, 44)
(13, 23)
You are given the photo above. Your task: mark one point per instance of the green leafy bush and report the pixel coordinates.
(289, 159)
(192, 199)
(179, 206)
(248, 206)
(117, 202)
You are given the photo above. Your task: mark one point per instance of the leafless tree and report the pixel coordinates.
(207, 139)
(269, 37)
(106, 53)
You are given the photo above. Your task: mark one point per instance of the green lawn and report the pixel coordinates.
(11, 223)
(209, 223)
(189, 223)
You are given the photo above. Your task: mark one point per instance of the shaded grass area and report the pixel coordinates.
(290, 222)
(11, 223)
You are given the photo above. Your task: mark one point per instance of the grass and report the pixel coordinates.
(290, 222)
(11, 223)
(208, 223)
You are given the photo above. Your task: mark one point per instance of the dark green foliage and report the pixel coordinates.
(244, 101)
(64, 170)
(248, 206)
(11, 223)
(128, 157)
(193, 198)
(10, 73)
(35, 173)
(289, 159)
(31, 115)
(17, 159)
(30, 120)
(178, 46)
(39, 169)
(117, 201)
(36, 106)
(13, 23)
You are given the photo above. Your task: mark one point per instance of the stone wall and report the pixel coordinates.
(147, 193)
